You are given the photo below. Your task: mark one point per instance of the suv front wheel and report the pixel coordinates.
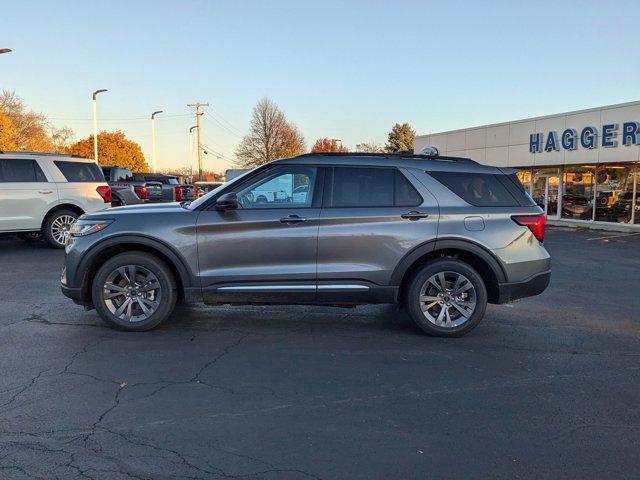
(446, 298)
(134, 291)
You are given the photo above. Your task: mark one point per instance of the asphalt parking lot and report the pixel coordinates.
(546, 388)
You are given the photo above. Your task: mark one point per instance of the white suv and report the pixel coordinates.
(44, 194)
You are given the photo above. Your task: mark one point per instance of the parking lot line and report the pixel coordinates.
(606, 237)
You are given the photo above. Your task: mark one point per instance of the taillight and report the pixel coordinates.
(141, 191)
(535, 223)
(105, 193)
(178, 191)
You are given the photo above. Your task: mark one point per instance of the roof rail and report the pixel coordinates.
(46, 154)
(390, 155)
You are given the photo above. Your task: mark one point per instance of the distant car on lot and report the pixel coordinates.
(122, 180)
(440, 235)
(44, 194)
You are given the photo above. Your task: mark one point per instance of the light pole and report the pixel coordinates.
(5, 50)
(191, 150)
(153, 137)
(95, 124)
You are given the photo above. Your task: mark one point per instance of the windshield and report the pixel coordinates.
(204, 198)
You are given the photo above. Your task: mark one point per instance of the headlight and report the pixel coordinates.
(83, 228)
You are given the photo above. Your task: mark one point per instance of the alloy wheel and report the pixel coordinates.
(60, 228)
(132, 293)
(448, 299)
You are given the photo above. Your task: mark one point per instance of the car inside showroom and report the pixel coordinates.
(580, 167)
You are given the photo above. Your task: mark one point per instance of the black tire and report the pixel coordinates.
(30, 237)
(167, 292)
(50, 231)
(452, 267)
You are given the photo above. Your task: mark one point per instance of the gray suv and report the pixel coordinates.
(441, 236)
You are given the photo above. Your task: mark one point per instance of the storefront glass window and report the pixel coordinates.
(579, 188)
(546, 186)
(524, 176)
(614, 193)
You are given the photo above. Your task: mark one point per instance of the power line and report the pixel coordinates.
(231, 126)
(115, 119)
(224, 127)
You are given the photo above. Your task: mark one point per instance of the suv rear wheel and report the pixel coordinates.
(446, 298)
(57, 226)
(134, 291)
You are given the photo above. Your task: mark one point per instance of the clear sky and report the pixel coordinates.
(340, 69)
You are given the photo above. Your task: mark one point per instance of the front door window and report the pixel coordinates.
(285, 187)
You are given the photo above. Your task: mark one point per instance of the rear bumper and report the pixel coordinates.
(508, 292)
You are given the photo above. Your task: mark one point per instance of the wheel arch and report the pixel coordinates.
(478, 257)
(61, 206)
(101, 252)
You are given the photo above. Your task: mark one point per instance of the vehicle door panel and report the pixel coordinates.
(254, 255)
(364, 244)
(23, 205)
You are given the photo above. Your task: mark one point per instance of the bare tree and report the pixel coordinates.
(270, 136)
(62, 139)
(369, 147)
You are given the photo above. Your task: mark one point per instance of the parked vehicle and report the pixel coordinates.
(440, 235)
(233, 173)
(43, 194)
(122, 180)
(172, 189)
(202, 188)
(576, 206)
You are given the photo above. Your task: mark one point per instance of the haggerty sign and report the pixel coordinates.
(588, 137)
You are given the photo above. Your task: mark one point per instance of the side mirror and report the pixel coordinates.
(227, 201)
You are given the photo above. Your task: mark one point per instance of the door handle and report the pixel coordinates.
(45, 192)
(414, 215)
(293, 219)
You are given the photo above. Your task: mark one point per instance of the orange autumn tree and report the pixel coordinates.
(326, 145)
(113, 149)
(7, 132)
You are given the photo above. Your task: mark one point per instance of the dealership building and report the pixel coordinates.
(581, 167)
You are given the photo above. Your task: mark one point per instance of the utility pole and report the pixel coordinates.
(191, 151)
(95, 124)
(153, 138)
(198, 115)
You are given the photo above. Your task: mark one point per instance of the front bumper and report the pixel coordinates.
(74, 294)
(535, 285)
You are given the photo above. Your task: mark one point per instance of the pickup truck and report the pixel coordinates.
(123, 183)
(172, 189)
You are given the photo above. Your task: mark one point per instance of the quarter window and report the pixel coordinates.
(19, 170)
(80, 171)
(484, 189)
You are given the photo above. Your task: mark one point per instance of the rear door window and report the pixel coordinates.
(21, 170)
(405, 194)
(362, 187)
(483, 189)
(80, 171)
(371, 187)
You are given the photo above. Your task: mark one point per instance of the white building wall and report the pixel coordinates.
(507, 144)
